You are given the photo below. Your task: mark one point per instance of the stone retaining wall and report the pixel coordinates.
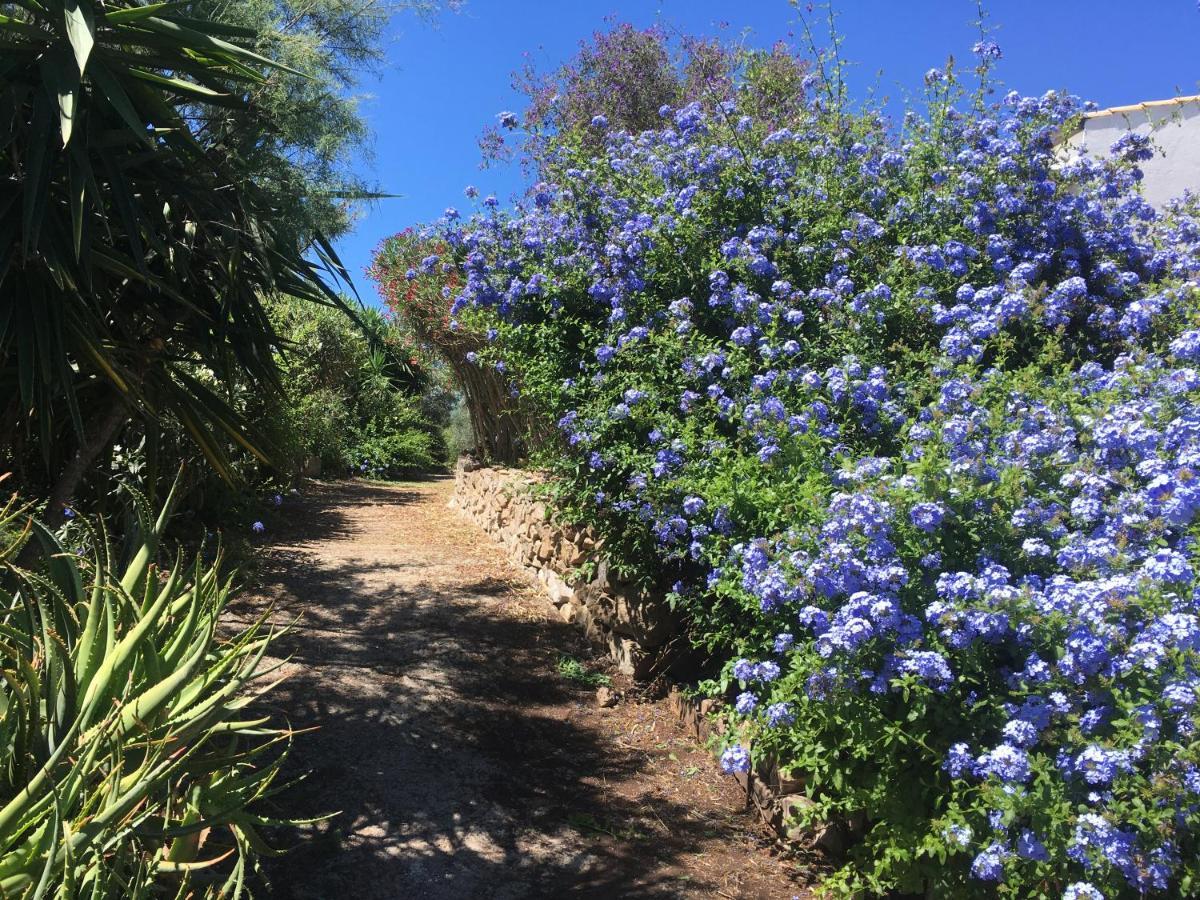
(642, 634)
(778, 799)
(638, 627)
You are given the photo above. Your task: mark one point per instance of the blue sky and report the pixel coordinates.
(441, 84)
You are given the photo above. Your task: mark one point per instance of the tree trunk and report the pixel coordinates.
(68, 480)
(497, 424)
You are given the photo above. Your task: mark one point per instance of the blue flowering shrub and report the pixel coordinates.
(909, 418)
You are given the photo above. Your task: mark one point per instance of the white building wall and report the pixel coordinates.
(1174, 128)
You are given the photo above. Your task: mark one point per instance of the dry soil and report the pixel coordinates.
(458, 759)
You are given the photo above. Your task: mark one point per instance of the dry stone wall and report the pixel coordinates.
(638, 627)
(641, 632)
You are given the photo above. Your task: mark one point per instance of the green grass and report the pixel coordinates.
(573, 670)
(586, 823)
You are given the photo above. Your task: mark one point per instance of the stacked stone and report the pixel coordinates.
(779, 798)
(636, 625)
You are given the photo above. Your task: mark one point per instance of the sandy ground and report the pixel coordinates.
(459, 761)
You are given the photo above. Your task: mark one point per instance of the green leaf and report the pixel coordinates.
(195, 38)
(136, 13)
(34, 185)
(182, 86)
(63, 83)
(77, 186)
(116, 95)
(77, 15)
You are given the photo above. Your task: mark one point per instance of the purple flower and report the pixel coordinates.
(1029, 846)
(1099, 765)
(1187, 346)
(1006, 762)
(927, 516)
(735, 759)
(766, 671)
(780, 714)
(928, 665)
(986, 49)
(989, 864)
(1168, 566)
(742, 336)
(258, 527)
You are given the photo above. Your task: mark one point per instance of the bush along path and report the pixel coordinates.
(457, 729)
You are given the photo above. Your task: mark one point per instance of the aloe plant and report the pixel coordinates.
(129, 763)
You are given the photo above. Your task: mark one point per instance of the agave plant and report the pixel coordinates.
(128, 763)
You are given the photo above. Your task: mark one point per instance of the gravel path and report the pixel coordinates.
(461, 763)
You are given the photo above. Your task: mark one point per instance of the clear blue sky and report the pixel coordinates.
(442, 84)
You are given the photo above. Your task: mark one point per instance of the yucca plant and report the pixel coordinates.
(134, 252)
(128, 761)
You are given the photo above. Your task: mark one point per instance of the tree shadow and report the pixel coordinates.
(458, 763)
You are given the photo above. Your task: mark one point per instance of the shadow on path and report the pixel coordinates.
(459, 762)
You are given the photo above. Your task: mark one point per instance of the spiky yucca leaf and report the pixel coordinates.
(131, 252)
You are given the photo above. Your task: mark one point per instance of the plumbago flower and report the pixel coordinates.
(912, 424)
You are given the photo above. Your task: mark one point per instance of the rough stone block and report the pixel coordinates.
(791, 808)
(644, 617)
(571, 554)
(560, 592)
(631, 624)
(760, 793)
(789, 783)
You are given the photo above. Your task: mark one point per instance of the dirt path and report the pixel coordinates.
(463, 763)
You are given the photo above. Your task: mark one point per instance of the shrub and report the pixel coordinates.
(148, 239)
(417, 291)
(458, 435)
(908, 422)
(626, 75)
(129, 763)
(353, 397)
(399, 448)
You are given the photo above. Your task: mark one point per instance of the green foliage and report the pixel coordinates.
(573, 670)
(353, 401)
(129, 762)
(134, 255)
(628, 75)
(418, 293)
(458, 434)
(404, 446)
(343, 398)
(905, 422)
(305, 160)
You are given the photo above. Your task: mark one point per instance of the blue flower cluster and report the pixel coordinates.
(915, 423)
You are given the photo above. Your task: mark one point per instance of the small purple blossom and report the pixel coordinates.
(735, 759)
